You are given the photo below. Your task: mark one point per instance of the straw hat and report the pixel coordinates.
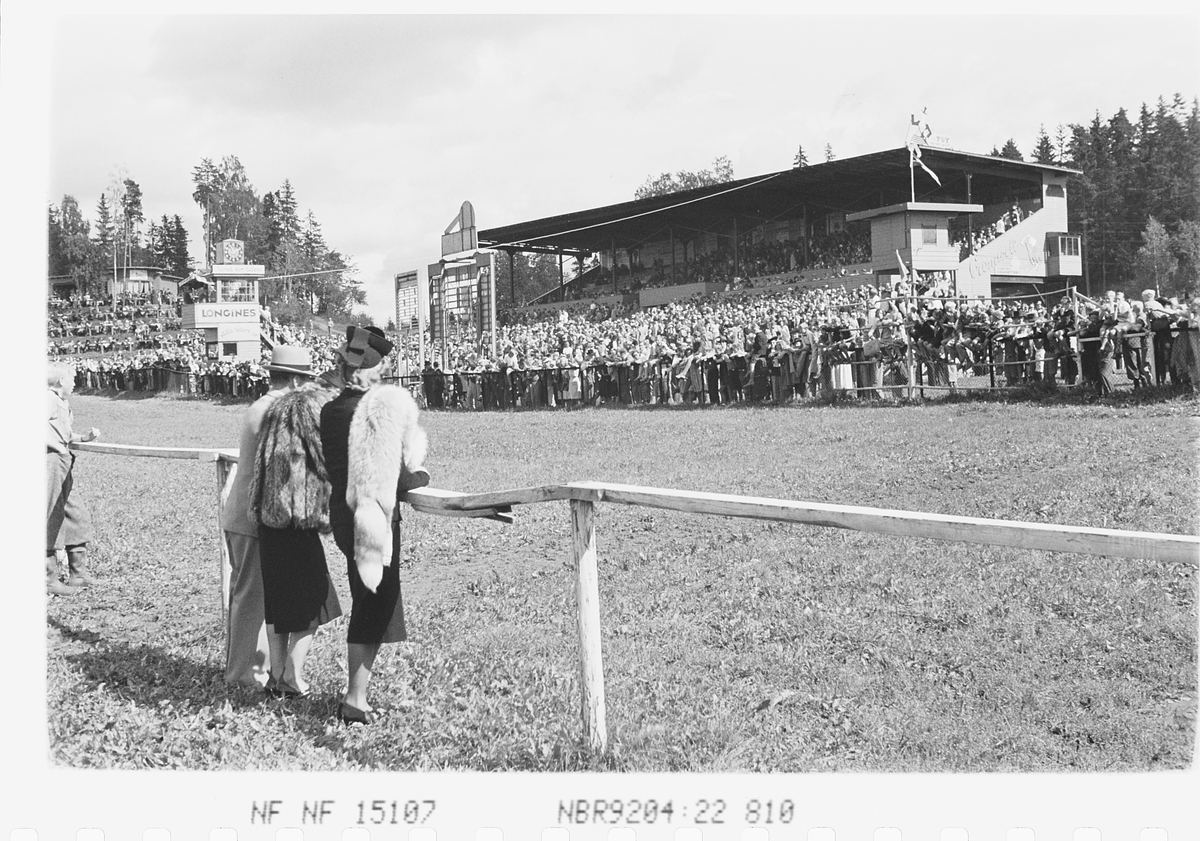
(291, 359)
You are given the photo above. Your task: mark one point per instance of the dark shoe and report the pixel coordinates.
(53, 586)
(77, 562)
(353, 715)
(276, 688)
(286, 690)
(57, 588)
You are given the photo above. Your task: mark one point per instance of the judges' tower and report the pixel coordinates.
(230, 321)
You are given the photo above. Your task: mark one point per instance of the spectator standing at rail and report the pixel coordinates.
(1158, 318)
(68, 521)
(247, 652)
(723, 361)
(1186, 350)
(1108, 352)
(427, 383)
(1134, 347)
(1061, 338)
(374, 450)
(289, 502)
(1089, 350)
(807, 361)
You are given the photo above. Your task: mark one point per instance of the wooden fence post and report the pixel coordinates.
(912, 368)
(587, 593)
(226, 471)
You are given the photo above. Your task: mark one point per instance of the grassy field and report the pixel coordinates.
(728, 644)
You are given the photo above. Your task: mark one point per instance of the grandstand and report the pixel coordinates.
(996, 225)
(830, 280)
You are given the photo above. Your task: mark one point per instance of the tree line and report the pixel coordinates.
(88, 252)
(313, 277)
(1137, 201)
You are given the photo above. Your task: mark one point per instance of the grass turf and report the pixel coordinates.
(728, 644)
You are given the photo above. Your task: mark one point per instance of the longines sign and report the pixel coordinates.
(196, 316)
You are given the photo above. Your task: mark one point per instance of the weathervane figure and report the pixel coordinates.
(918, 132)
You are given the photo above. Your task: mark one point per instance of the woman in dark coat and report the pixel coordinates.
(373, 450)
(289, 501)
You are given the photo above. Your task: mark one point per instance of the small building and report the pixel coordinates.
(231, 318)
(150, 282)
(61, 286)
(144, 282)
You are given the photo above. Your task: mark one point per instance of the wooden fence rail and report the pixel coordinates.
(583, 497)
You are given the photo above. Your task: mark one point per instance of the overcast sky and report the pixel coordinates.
(385, 124)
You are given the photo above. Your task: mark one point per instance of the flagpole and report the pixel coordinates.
(912, 180)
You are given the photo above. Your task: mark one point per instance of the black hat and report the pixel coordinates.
(365, 347)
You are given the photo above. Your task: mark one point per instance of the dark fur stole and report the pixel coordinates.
(290, 485)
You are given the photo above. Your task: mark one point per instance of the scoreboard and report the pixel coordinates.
(407, 301)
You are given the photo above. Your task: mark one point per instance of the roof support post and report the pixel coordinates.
(970, 244)
(561, 282)
(613, 244)
(672, 229)
(735, 247)
(804, 210)
(492, 296)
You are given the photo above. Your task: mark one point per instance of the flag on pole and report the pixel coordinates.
(919, 132)
(903, 268)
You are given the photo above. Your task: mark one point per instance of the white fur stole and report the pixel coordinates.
(385, 442)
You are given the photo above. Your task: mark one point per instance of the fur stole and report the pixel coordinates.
(290, 486)
(386, 445)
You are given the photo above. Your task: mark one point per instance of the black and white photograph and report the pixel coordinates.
(610, 395)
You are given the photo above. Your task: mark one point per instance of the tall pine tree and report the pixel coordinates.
(1043, 149)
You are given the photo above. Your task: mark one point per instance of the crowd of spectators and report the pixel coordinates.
(731, 347)
(969, 242)
(755, 261)
(84, 316)
(82, 324)
(779, 346)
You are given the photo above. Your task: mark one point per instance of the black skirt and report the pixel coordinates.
(298, 594)
(377, 617)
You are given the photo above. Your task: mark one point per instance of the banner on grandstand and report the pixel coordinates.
(238, 332)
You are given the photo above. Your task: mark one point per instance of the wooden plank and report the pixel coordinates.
(1050, 537)
(448, 504)
(148, 452)
(587, 596)
(435, 499)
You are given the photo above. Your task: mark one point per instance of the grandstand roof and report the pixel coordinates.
(851, 184)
